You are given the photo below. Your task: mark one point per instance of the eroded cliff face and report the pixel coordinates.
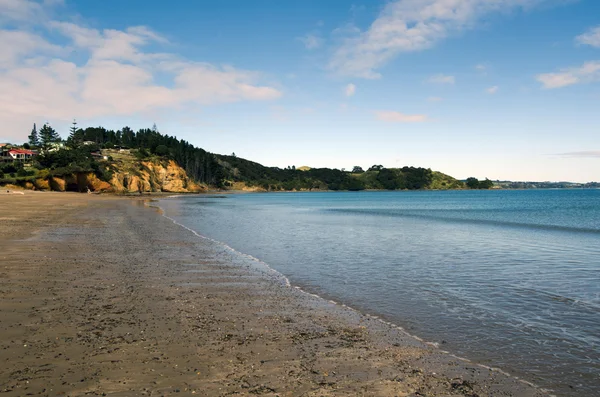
(150, 176)
(138, 177)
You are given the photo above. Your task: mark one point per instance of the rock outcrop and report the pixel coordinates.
(150, 176)
(134, 177)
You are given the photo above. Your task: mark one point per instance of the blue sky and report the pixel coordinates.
(504, 89)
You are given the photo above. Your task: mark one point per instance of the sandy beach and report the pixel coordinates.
(102, 295)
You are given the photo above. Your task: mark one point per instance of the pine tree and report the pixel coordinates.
(74, 139)
(33, 137)
(73, 129)
(48, 135)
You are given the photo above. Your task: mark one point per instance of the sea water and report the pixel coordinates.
(509, 279)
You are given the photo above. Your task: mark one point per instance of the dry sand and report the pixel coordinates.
(104, 296)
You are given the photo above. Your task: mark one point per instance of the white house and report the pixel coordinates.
(21, 154)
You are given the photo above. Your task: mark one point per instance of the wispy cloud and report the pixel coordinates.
(492, 90)
(435, 99)
(311, 41)
(350, 90)
(119, 76)
(588, 153)
(442, 79)
(591, 37)
(20, 10)
(411, 25)
(481, 67)
(397, 117)
(589, 72)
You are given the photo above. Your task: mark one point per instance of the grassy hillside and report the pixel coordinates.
(442, 181)
(238, 170)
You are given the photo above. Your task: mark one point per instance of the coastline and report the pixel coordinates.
(102, 294)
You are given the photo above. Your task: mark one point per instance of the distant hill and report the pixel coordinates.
(545, 185)
(305, 178)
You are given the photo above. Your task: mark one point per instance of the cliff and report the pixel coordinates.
(153, 176)
(124, 177)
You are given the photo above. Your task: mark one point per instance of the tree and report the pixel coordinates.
(389, 179)
(162, 150)
(376, 168)
(473, 183)
(48, 135)
(74, 139)
(487, 184)
(34, 140)
(416, 177)
(354, 185)
(357, 170)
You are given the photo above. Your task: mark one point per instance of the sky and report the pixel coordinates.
(499, 89)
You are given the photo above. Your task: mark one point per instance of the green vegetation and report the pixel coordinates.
(47, 136)
(305, 178)
(81, 155)
(34, 139)
(442, 181)
(474, 183)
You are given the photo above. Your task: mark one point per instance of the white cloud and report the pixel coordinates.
(19, 10)
(311, 41)
(435, 99)
(350, 90)
(591, 37)
(442, 79)
(589, 72)
(492, 90)
(397, 117)
(480, 67)
(112, 44)
(585, 153)
(16, 44)
(118, 76)
(411, 25)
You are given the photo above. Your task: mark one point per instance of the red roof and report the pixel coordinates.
(21, 151)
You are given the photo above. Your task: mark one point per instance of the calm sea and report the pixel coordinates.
(509, 279)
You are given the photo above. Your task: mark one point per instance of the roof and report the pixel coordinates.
(3, 144)
(21, 151)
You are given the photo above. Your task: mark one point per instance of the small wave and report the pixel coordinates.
(554, 297)
(410, 214)
(286, 281)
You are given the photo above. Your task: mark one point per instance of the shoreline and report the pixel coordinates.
(211, 324)
(343, 306)
(327, 300)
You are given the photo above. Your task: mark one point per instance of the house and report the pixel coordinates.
(99, 156)
(56, 146)
(21, 154)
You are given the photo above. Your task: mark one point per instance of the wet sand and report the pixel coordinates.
(104, 296)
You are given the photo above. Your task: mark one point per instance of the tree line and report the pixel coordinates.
(213, 169)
